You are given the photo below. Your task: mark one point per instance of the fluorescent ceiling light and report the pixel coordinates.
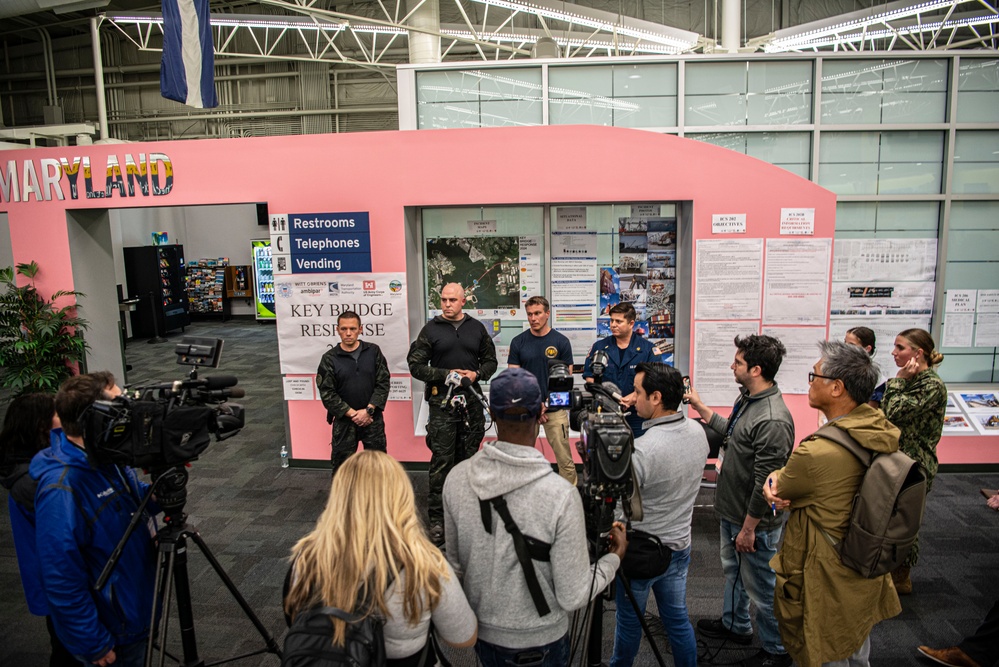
(793, 38)
(886, 33)
(682, 40)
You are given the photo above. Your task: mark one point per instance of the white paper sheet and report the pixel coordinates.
(988, 301)
(714, 352)
(853, 299)
(797, 221)
(878, 259)
(400, 389)
(796, 286)
(987, 331)
(801, 344)
(728, 223)
(570, 245)
(729, 279)
(299, 388)
(957, 329)
(961, 301)
(570, 218)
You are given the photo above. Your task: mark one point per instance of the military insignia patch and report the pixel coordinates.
(551, 352)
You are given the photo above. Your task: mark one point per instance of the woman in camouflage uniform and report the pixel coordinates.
(915, 401)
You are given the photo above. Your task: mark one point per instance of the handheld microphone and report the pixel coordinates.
(452, 381)
(598, 364)
(467, 384)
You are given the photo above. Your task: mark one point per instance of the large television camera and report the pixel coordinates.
(165, 425)
(606, 444)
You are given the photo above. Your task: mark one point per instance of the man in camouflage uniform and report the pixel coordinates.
(353, 381)
(458, 346)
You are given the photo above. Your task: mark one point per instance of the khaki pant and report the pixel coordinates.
(557, 433)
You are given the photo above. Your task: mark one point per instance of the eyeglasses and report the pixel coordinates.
(812, 376)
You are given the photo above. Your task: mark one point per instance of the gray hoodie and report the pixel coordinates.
(545, 507)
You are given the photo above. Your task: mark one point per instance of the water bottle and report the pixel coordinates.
(284, 456)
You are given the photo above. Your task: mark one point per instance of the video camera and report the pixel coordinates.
(168, 424)
(605, 447)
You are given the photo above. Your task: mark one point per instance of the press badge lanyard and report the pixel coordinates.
(737, 411)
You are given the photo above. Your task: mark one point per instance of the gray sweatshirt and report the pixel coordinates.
(669, 463)
(545, 507)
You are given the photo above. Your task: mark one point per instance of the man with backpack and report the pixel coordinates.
(516, 537)
(826, 609)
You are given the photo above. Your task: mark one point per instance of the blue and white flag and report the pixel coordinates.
(187, 73)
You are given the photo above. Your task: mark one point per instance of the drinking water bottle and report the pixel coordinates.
(284, 456)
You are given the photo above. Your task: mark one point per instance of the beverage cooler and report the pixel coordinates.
(263, 279)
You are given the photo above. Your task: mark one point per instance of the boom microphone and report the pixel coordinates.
(467, 384)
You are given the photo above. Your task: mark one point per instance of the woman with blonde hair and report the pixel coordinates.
(369, 554)
(915, 401)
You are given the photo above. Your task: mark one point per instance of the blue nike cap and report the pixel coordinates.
(514, 395)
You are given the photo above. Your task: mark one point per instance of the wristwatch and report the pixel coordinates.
(370, 410)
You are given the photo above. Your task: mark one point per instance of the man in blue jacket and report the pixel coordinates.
(82, 510)
(625, 350)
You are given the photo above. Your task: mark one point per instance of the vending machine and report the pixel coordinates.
(263, 279)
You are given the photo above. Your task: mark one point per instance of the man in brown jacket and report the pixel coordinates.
(826, 610)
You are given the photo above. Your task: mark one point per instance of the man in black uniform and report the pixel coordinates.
(353, 381)
(450, 348)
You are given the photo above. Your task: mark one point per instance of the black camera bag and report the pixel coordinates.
(647, 557)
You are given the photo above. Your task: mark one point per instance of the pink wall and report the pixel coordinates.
(384, 172)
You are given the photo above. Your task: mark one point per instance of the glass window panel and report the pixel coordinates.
(447, 115)
(849, 146)
(579, 112)
(797, 169)
(645, 112)
(735, 141)
(978, 107)
(976, 147)
(524, 83)
(715, 110)
(651, 80)
(903, 215)
(966, 368)
(851, 108)
(715, 78)
(972, 275)
(851, 75)
(978, 74)
(780, 147)
(859, 178)
(914, 108)
(899, 178)
(510, 112)
(447, 86)
(855, 216)
(972, 245)
(581, 81)
(919, 75)
(780, 109)
(975, 178)
(974, 215)
(912, 146)
(772, 77)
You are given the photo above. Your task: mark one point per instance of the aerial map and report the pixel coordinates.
(487, 267)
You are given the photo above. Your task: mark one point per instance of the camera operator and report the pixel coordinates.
(506, 499)
(452, 351)
(532, 350)
(625, 350)
(353, 380)
(82, 511)
(668, 463)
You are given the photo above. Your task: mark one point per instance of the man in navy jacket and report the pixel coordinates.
(82, 510)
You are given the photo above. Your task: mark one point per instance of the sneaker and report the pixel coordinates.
(715, 628)
(766, 659)
(952, 656)
(437, 534)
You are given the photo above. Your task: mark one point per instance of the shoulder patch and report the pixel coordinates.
(656, 351)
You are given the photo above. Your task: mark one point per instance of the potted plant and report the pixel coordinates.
(39, 342)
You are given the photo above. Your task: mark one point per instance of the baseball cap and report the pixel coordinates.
(514, 395)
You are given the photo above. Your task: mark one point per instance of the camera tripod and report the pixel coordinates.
(170, 487)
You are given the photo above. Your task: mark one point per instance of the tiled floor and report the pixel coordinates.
(250, 511)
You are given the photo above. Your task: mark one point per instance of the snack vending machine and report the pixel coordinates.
(263, 279)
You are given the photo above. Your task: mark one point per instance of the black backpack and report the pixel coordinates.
(887, 510)
(309, 642)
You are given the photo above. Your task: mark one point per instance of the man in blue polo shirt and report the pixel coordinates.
(625, 350)
(532, 350)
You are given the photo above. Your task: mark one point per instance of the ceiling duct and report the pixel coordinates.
(11, 8)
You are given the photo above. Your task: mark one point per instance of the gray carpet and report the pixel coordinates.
(250, 511)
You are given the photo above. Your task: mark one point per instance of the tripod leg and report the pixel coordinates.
(272, 645)
(640, 614)
(185, 614)
(167, 601)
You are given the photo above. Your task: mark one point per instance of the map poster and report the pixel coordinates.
(308, 305)
(489, 268)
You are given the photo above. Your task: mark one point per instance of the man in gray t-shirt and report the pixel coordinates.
(669, 462)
